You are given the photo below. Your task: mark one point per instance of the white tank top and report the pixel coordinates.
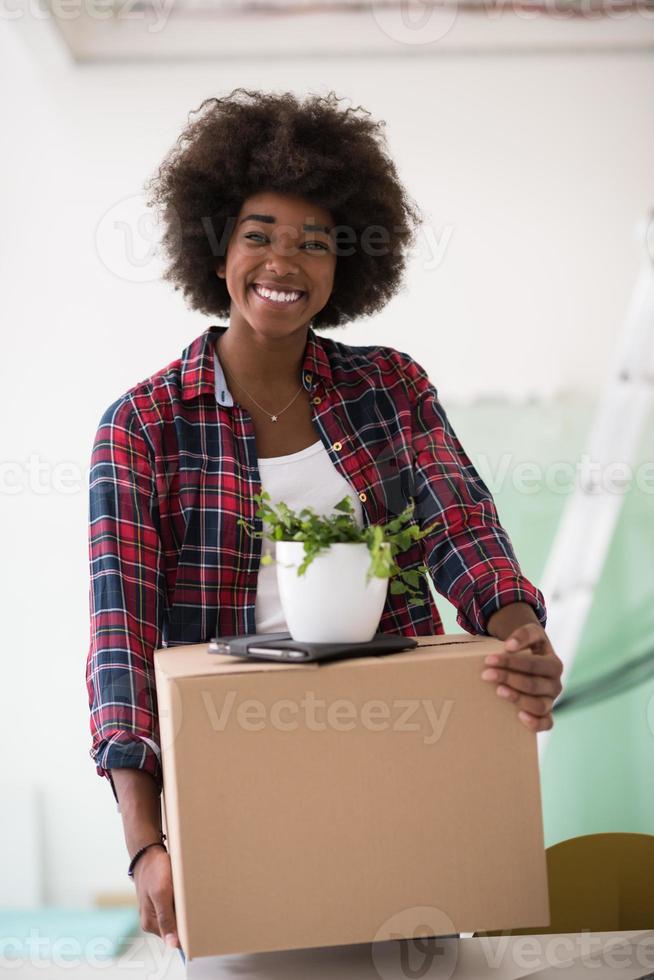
(304, 479)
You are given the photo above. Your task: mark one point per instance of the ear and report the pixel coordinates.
(220, 269)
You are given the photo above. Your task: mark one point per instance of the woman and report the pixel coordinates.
(284, 217)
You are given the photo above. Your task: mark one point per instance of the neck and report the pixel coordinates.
(262, 362)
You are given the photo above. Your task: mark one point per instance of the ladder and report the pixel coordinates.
(589, 519)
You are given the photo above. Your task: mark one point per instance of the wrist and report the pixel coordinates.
(145, 849)
(511, 617)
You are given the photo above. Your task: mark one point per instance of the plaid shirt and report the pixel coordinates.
(173, 468)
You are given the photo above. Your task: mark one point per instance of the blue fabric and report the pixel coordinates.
(66, 933)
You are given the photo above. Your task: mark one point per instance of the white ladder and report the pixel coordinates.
(582, 539)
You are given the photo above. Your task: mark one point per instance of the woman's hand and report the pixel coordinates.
(529, 674)
(154, 888)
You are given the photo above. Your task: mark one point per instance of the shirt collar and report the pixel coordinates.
(201, 372)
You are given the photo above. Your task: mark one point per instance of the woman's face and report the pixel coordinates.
(280, 243)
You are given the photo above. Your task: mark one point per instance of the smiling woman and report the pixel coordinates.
(335, 159)
(284, 217)
(279, 272)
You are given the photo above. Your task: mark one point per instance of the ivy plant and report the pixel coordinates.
(318, 532)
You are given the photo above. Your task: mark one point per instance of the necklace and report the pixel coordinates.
(273, 418)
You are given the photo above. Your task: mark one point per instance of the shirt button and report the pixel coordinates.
(337, 446)
(316, 400)
(363, 497)
(308, 377)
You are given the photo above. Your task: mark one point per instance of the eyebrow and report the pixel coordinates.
(270, 220)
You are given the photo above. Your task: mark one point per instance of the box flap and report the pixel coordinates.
(429, 647)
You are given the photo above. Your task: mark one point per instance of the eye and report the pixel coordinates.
(258, 235)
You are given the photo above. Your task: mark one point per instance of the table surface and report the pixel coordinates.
(597, 956)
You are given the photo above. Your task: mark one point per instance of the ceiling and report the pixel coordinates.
(192, 30)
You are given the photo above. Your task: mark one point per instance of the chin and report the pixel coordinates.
(275, 325)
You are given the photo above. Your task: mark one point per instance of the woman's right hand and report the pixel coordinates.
(154, 888)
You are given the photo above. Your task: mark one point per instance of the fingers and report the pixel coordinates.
(162, 897)
(530, 679)
(523, 683)
(537, 706)
(535, 712)
(532, 634)
(536, 723)
(163, 903)
(155, 891)
(148, 917)
(526, 663)
(161, 924)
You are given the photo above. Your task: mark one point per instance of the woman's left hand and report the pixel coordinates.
(529, 675)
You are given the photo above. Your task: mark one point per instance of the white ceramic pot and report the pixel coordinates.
(331, 602)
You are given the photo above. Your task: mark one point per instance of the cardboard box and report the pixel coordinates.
(347, 802)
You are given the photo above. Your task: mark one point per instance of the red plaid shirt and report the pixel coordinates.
(173, 468)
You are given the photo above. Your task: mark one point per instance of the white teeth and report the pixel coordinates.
(277, 297)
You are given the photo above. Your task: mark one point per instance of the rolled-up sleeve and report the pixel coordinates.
(469, 555)
(127, 598)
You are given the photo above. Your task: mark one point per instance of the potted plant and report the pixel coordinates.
(333, 576)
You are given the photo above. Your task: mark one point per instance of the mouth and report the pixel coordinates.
(266, 296)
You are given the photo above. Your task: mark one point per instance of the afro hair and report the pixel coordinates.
(251, 141)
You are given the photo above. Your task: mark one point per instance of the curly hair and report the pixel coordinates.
(251, 141)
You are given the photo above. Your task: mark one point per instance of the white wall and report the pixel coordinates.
(537, 166)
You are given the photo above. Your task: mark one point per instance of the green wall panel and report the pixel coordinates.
(597, 773)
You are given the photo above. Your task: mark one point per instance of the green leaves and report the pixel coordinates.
(319, 532)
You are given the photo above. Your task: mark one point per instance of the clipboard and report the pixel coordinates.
(281, 647)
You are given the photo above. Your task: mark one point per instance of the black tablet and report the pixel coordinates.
(280, 646)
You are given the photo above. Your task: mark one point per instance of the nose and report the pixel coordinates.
(280, 261)
(281, 268)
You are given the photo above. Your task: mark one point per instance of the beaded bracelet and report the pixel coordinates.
(142, 850)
